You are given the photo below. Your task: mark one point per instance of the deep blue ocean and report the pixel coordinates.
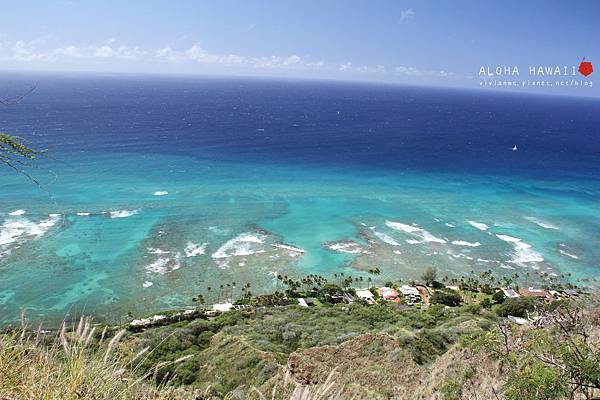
(155, 188)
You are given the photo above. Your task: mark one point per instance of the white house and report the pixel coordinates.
(222, 307)
(302, 302)
(510, 293)
(366, 295)
(411, 294)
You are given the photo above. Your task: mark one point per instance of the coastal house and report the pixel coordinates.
(302, 302)
(571, 292)
(538, 293)
(366, 295)
(342, 297)
(388, 293)
(411, 294)
(222, 307)
(510, 293)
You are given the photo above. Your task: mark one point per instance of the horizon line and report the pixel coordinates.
(174, 75)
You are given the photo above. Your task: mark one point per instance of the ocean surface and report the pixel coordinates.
(154, 189)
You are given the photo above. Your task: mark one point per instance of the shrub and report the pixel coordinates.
(517, 307)
(449, 298)
(486, 303)
(498, 297)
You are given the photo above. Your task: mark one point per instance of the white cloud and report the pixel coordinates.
(69, 51)
(104, 52)
(407, 14)
(22, 50)
(412, 71)
(107, 51)
(197, 53)
(87, 56)
(345, 66)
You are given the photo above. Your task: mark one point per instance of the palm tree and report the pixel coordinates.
(199, 299)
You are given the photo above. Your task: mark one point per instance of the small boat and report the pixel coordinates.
(514, 148)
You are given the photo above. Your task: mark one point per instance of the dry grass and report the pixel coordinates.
(74, 364)
(286, 388)
(82, 363)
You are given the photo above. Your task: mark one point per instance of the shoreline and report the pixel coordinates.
(338, 291)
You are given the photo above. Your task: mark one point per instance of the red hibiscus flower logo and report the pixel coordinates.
(585, 68)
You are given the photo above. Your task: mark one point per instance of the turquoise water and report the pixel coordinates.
(115, 230)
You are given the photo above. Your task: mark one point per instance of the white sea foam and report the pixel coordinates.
(16, 213)
(465, 243)
(161, 193)
(194, 249)
(163, 264)
(82, 214)
(449, 225)
(564, 253)
(507, 238)
(123, 213)
(159, 266)
(523, 252)
(156, 250)
(422, 234)
(541, 223)
(48, 223)
(291, 249)
(147, 284)
(241, 245)
(402, 227)
(346, 247)
(479, 225)
(386, 238)
(13, 230)
(18, 230)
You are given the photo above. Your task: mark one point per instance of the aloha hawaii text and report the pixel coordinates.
(539, 70)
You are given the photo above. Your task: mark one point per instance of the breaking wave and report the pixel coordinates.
(541, 223)
(242, 245)
(422, 234)
(194, 249)
(123, 213)
(479, 225)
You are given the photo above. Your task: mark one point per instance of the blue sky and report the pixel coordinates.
(440, 43)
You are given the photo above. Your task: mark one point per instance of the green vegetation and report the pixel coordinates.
(449, 298)
(80, 364)
(517, 307)
(16, 154)
(458, 347)
(429, 276)
(557, 357)
(262, 339)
